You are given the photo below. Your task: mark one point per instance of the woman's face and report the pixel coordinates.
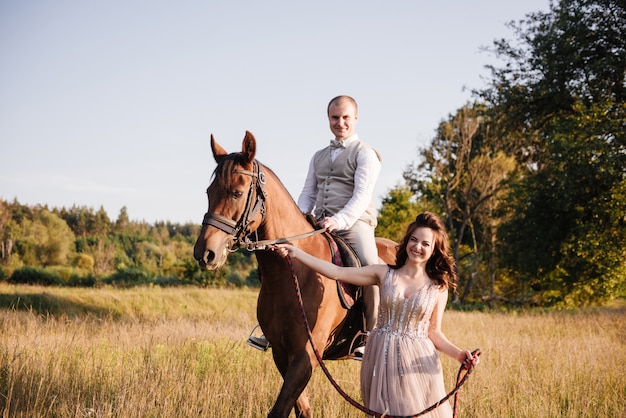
(421, 245)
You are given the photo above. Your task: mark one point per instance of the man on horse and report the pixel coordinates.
(338, 191)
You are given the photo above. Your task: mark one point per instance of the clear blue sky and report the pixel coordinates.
(112, 103)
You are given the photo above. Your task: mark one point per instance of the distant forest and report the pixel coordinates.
(79, 246)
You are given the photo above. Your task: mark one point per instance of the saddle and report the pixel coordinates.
(351, 332)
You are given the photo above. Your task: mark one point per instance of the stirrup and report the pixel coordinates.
(260, 343)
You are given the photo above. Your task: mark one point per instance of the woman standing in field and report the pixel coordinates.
(401, 372)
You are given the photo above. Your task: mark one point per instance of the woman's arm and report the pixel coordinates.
(360, 276)
(438, 338)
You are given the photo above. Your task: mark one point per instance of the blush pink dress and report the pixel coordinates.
(401, 372)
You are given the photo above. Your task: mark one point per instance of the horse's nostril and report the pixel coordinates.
(209, 256)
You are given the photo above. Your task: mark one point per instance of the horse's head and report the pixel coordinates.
(236, 203)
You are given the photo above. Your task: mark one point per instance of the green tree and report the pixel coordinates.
(561, 96)
(399, 208)
(46, 240)
(101, 225)
(123, 221)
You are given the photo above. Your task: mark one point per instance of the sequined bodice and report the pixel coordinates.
(407, 317)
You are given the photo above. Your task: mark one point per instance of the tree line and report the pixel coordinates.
(530, 178)
(80, 246)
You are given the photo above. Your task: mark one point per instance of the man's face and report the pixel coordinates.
(342, 118)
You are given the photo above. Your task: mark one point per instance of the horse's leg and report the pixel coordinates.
(303, 408)
(295, 378)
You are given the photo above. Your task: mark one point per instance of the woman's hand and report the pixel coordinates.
(284, 250)
(467, 359)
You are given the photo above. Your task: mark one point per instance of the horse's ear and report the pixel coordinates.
(218, 152)
(248, 147)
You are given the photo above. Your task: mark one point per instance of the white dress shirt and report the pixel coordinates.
(366, 174)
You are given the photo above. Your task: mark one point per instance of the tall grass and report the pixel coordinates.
(151, 352)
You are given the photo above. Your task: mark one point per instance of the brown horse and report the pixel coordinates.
(247, 201)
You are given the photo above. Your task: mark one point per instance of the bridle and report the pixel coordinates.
(240, 230)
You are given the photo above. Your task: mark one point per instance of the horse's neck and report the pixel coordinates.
(283, 218)
(285, 222)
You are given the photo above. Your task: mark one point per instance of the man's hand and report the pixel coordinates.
(329, 223)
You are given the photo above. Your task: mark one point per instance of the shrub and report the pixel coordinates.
(35, 275)
(84, 261)
(129, 277)
(82, 281)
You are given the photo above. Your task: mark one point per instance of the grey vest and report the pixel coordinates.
(335, 181)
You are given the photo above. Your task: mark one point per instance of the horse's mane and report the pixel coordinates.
(266, 169)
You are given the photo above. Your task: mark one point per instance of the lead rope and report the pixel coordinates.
(460, 379)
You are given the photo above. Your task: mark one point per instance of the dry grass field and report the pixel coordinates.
(151, 352)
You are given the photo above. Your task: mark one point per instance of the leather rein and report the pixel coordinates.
(240, 230)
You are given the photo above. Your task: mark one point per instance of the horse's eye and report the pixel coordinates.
(237, 194)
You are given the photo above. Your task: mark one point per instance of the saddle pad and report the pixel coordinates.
(347, 292)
